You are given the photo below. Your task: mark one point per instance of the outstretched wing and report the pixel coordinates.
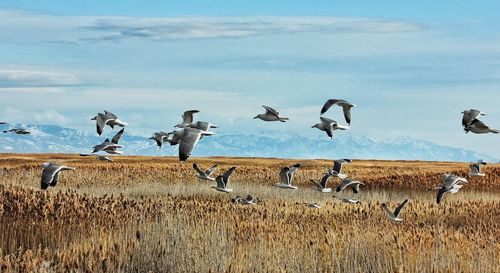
(198, 169)
(188, 142)
(226, 176)
(271, 111)
(400, 207)
(211, 170)
(118, 136)
(347, 113)
(187, 117)
(324, 180)
(329, 104)
(284, 176)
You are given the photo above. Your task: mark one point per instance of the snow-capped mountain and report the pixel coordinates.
(56, 139)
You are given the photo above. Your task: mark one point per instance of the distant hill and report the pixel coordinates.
(56, 139)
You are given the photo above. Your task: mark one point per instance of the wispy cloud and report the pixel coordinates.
(14, 78)
(74, 29)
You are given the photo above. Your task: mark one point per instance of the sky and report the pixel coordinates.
(411, 67)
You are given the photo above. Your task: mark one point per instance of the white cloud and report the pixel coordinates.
(75, 29)
(14, 78)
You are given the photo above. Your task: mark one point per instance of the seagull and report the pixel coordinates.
(187, 118)
(115, 140)
(109, 119)
(328, 125)
(347, 200)
(313, 205)
(205, 175)
(451, 184)
(337, 168)
(475, 168)
(223, 180)
(346, 107)
(18, 131)
(50, 174)
(189, 138)
(104, 158)
(470, 115)
(3, 122)
(99, 157)
(249, 200)
(321, 186)
(158, 137)
(202, 125)
(271, 115)
(353, 184)
(286, 177)
(394, 216)
(478, 127)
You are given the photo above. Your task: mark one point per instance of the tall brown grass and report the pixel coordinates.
(151, 215)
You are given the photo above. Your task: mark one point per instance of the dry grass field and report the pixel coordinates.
(150, 214)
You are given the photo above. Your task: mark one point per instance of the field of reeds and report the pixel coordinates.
(151, 214)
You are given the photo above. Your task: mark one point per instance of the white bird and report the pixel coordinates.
(475, 168)
(478, 127)
(271, 115)
(394, 216)
(347, 200)
(223, 181)
(109, 119)
(188, 140)
(249, 200)
(337, 168)
(50, 174)
(313, 205)
(202, 125)
(353, 184)
(346, 107)
(187, 118)
(321, 186)
(451, 183)
(99, 157)
(470, 115)
(328, 125)
(206, 174)
(286, 177)
(158, 137)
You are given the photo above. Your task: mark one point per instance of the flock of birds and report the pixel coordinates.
(188, 133)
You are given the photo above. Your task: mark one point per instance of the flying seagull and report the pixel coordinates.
(115, 140)
(3, 122)
(249, 200)
(353, 184)
(321, 186)
(100, 157)
(478, 127)
(337, 168)
(475, 168)
(313, 205)
(394, 216)
(204, 174)
(328, 126)
(158, 137)
(270, 115)
(223, 181)
(451, 184)
(18, 131)
(286, 177)
(188, 140)
(109, 119)
(347, 200)
(50, 174)
(202, 125)
(346, 107)
(187, 118)
(470, 115)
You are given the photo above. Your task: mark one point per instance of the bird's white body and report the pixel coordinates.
(226, 190)
(285, 186)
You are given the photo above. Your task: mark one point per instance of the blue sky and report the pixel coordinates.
(410, 68)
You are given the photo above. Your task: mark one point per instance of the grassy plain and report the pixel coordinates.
(150, 214)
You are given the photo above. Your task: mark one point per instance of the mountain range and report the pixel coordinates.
(57, 139)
